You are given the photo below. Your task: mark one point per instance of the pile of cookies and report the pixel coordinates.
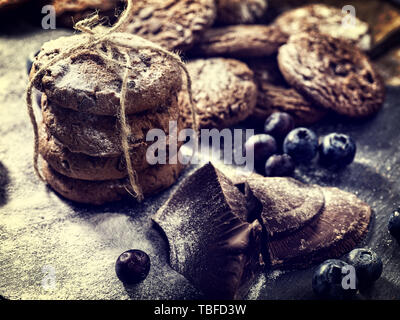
(305, 63)
(80, 135)
(230, 50)
(237, 53)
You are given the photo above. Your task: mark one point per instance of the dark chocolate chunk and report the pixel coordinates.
(211, 243)
(287, 204)
(342, 224)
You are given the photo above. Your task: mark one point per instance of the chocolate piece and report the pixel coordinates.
(98, 136)
(240, 41)
(223, 90)
(210, 242)
(324, 19)
(240, 11)
(340, 227)
(85, 81)
(287, 204)
(152, 180)
(332, 73)
(275, 94)
(174, 24)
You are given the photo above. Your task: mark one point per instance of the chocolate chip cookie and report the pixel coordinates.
(173, 24)
(332, 73)
(240, 11)
(224, 92)
(275, 94)
(71, 11)
(325, 19)
(153, 180)
(84, 167)
(240, 41)
(85, 82)
(98, 136)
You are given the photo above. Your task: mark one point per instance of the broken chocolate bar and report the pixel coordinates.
(211, 243)
(221, 234)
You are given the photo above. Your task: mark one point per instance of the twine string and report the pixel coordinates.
(125, 132)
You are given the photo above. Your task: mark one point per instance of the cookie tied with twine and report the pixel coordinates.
(93, 36)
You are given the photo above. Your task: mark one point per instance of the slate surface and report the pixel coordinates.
(41, 233)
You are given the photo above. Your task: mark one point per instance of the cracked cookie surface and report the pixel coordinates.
(325, 19)
(240, 11)
(332, 73)
(71, 11)
(275, 95)
(85, 167)
(153, 180)
(224, 92)
(240, 41)
(98, 136)
(85, 81)
(173, 24)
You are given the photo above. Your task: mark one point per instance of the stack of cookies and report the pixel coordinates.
(79, 137)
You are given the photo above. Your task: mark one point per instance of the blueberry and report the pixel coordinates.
(263, 146)
(301, 144)
(337, 150)
(29, 61)
(132, 266)
(394, 224)
(278, 125)
(367, 264)
(327, 280)
(279, 165)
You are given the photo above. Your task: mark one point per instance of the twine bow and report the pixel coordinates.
(106, 37)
